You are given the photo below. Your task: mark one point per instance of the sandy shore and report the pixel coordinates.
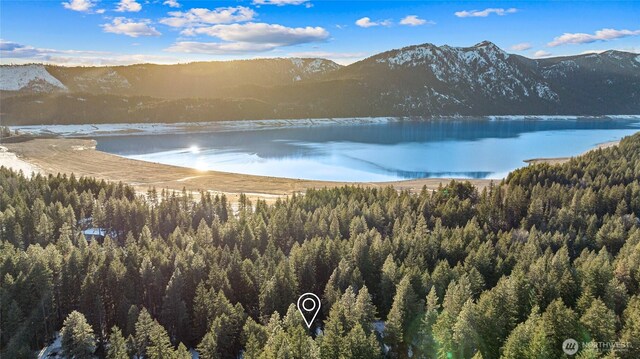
(10, 160)
(79, 156)
(558, 160)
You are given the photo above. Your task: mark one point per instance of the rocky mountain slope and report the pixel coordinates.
(29, 78)
(422, 80)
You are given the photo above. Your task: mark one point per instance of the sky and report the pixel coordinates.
(105, 32)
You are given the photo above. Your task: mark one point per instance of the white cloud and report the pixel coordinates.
(247, 38)
(12, 52)
(11, 49)
(366, 22)
(113, 60)
(521, 46)
(600, 35)
(79, 5)
(218, 48)
(128, 6)
(541, 53)
(485, 12)
(172, 3)
(202, 17)
(413, 20)
(280, 2)
(261, 33)
(131, 27)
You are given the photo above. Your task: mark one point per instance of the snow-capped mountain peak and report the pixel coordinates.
(33, 77)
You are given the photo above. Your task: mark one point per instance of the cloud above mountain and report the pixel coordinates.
(600, 35)
(521, 46)
(541, 53)
(203, 17)
(414, 20)
(367, 22)
(262, 33)
(131, 27)
(248, 37)
(26, 53)
(485, 12)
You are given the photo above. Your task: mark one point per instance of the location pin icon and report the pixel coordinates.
(309, 307)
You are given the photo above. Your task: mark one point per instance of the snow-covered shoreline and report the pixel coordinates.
(130, 129)
(10, 160)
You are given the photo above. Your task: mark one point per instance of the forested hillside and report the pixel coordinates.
(551, 253)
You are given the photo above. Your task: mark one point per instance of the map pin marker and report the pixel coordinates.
(309, 307)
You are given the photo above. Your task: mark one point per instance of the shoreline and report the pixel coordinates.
(155, 128)
(79, 156)
(560, 160)
(47, 155)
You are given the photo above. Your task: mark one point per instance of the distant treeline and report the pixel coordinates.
(512, 271)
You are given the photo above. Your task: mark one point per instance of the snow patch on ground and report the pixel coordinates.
(378, 327)
(17, 77)
(128, 129)
(53, 350)
(10, 160)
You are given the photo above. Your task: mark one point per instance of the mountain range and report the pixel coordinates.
(421, 80)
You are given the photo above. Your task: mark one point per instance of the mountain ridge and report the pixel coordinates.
(417, 80)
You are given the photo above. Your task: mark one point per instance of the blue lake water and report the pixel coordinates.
(385, 151)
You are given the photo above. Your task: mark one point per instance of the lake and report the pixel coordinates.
(383, 150)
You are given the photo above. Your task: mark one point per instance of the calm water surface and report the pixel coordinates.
(376, 152)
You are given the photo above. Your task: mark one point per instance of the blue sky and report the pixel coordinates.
(130, 31)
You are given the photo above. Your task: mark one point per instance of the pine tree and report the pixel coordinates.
(399, 331)
(600, 322)
(182, 352)
(558, 323)
(331, 340)
(388, 284)
(465, 336)
(520, 343)
(78, 340)
(254, 337)
(159, 344)
(208, 347)
(365, 310)
(299, 342)
(630, 332)
(360, 346)
(117, 348)
(443, 334)
(174, 309)
(426, 345)
(144, 328)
